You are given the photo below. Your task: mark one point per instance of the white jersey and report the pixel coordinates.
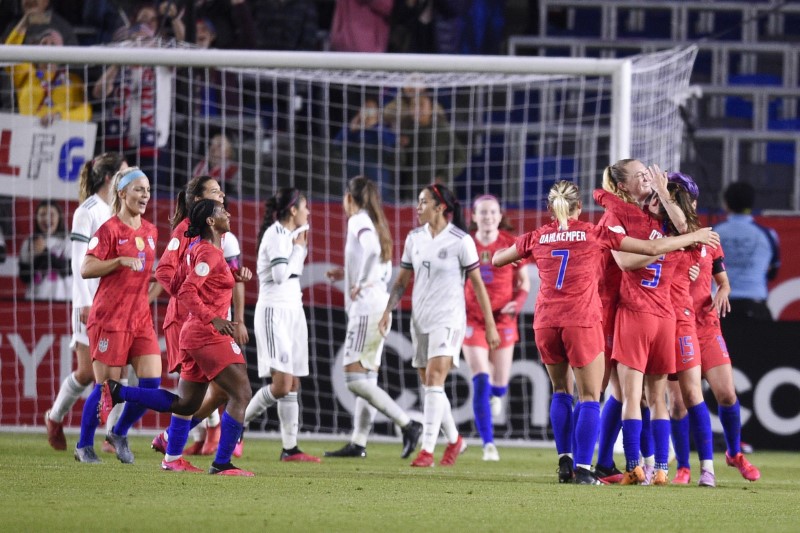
(230, 247)
(363, 266)
(90, 215)
(279, 266)
(440, 265)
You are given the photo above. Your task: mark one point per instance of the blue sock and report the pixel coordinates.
(646, 440)
(660, 431)
(700, 425)
(230, 431)
(499, 391)
(151, 398)
(610, 424)
(631, 433)
(178, 435)
(89, 421)
(586, 432)
(480, 405)
(561, 420)
(194, 423)
(576, 412)
(680, 440)
(134, 410)
(732, 427)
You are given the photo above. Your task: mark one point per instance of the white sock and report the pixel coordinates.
(198, 433)
(650, 460)
(213, 419)
(67, 395)
(366, 386)
(708, 465)
(448, 422)
(261, 401)
(433, 411)
(116, 412)
(363, 417)
(289, 415)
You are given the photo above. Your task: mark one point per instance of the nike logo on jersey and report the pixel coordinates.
(122, 241)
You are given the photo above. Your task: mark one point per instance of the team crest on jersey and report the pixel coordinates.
(93, 243)
(235, 348)
(139, 243)
(151, 242)
(703, 251)
(173, 245)
(485, 257)
(443, 253)
(102, 345)
(202, 269)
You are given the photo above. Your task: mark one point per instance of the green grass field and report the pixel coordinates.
(45, 490)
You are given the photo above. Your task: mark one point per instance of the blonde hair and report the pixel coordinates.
(615, 174)
(562, 201)
(116, 202)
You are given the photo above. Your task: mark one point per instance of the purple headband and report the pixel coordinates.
(685, 181)
(483, 197)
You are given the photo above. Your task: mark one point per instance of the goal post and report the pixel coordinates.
(257, 120)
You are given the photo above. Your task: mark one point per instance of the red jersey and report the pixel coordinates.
(121, 300)
(568, 264)
(711, 261)
(499, 282)
(206, 292)
(679, 290)
(171, 272)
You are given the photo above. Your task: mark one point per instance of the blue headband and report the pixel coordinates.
(129, 177)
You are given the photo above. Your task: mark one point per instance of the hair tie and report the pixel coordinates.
(129, 177)
(435, 189)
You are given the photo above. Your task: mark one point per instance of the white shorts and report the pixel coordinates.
(364, 342)
(281, 340)
(79, 332)
(441, 342)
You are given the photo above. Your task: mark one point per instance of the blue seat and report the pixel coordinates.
(739, 107)
(782, 152)
(540, 174)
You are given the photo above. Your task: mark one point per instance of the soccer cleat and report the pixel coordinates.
(86, 455)
(159, 443)
(424, 459)
(194, 448)
(348, 450)
(660, 478)
(228, 470)
(212, 441)
(490, 452)
(707, 478)
(609, 475)
(748, 471)
(109, 397)
(297, 456)
(745, 447)
(239, 448)
(120, 444)
(496, 407)
(411, 434)
(452, 452)
(648, 470)
(566, 470)
(55, 433)
(179, 465)
(586, 477)
(107, 447)
(682, 477)
(633, 477)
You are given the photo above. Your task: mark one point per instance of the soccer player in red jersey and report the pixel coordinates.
(508, 289)
(633, 182)
(567, 323)
(121, 253)
(208, 350)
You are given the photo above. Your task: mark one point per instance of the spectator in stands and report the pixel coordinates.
(226, 24)
(361, 26)
(165, 19)
(50, 92)
(484, 28)
(44, 260)
(105, 17)
(220, 164)
(286, 24)
(38, 16)
(752, 254)
(427, 26)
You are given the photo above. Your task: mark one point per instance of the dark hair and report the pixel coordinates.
(186, 198)
(201, 210)
(54, 204)
(94, 172)
(740, 197)
(278, 208)
(366, 196)
(683, 199)
(443, 195)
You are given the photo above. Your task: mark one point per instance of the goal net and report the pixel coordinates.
(260, 121)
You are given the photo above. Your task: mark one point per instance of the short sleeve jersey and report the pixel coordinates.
(121, 300)
(700, 289)
(568, 265)
(440, 265)
(275, 248)
(499, 282)
(680, 288)
(170, 271)
(206, 293)
(374, 294)
(88, 217)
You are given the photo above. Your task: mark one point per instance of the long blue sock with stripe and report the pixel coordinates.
(631, 435)
(133, 410)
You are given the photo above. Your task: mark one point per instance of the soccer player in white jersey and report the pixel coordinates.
(367, 270)
(95, 196)
(280, 323)
(439, 253)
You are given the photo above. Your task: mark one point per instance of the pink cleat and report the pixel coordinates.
(682, 477)
(424, 459)
(229, 470)
(452, 452)
(159, 443)
(179, 465)
(748, 471)
(297, 456)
